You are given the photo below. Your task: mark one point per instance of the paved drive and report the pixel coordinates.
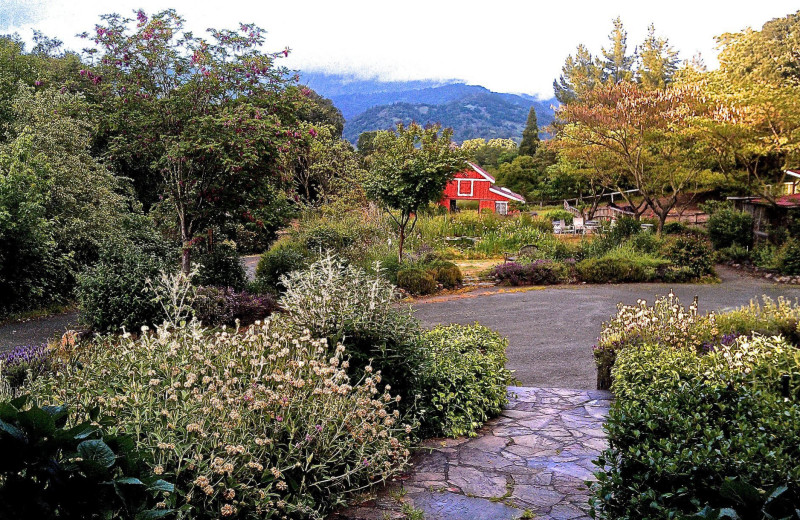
(551, 331)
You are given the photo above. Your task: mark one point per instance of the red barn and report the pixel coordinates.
(474, 183)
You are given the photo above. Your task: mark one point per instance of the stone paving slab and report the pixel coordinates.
(533, 460)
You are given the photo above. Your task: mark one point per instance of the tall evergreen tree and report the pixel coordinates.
(579, 75)
(658, 61)
(617, 63)
(530, 136)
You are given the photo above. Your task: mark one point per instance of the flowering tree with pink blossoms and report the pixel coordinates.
(198, 123)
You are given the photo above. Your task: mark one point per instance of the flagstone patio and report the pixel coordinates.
(531, 462)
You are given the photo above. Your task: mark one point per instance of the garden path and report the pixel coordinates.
(531, 462)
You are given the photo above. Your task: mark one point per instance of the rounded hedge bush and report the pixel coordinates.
(610, 270)
(691, 251)
(789, 257)
(221, 267)
(416, 281)
(283, 258)
(727, 227)
(114, 292)
(449, 275)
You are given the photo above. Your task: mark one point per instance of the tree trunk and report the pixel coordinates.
(186, 253)
(400, 241)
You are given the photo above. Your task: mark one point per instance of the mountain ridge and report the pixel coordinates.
(471, 110)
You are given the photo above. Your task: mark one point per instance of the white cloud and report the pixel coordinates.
(505, 45)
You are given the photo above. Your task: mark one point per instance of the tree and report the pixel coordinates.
(752, 126)
(410, 168)
(617, 64)
(490, 154)
(366, 143)
(641, 138)
(198, 123)
(57, 129)
(580, 74)
(658, 62)
(321, 111)
(530, 136)
(324, 165)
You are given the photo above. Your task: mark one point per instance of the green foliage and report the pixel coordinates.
(264, 423)
(462, 379)
(734, 254)
(416, 280)
(768, 317)
(728, 227)
(221, 267)
(114, 292)
(50, 469)
(702, 435)
(611, 270)
(283, 258)
(675, 228)
(530, 136)
(449, 275)
(32, 269)
(789, 257)
(202, 142)
(410, 169)
(691, 251)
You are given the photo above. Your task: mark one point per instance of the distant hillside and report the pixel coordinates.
(471, 110)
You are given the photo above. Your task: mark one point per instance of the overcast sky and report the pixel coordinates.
(506, 46)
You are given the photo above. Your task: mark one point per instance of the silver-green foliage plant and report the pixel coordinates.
(263, 423)
(344, 303)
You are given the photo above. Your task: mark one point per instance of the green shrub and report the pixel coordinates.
(675, 228)
(283, 258)
(114, 292)
(727, 227)
(264, 423)
(448, 274)
(789, 257)
(766, 255)
(624, 227)
(416, 280)
(610, 270)
(692, 251)
(50, 470)
(735, 254)
(461, 380)
(221, 267)
(702, 435)
(559, 214)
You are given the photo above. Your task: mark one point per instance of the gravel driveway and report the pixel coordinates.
(551, 331)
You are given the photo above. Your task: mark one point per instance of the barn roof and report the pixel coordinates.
(481, 171)
(505, 192)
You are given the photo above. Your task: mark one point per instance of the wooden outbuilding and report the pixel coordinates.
(474, 183)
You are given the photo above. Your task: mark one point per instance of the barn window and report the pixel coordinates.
(501, 207)
(467, 190)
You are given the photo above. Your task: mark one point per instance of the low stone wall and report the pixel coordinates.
(767, 274)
